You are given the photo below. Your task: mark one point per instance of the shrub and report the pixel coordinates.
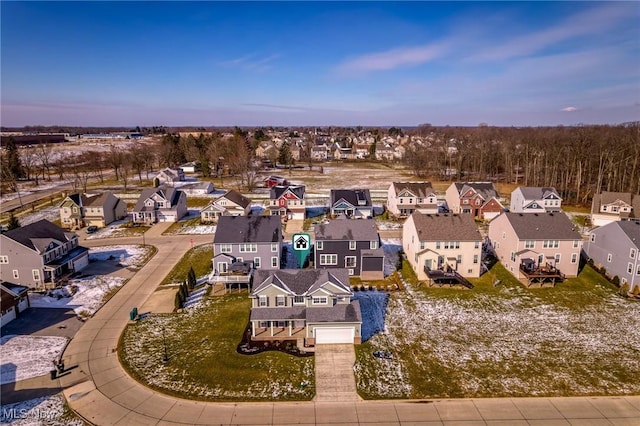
(178, 301)
(616, 280)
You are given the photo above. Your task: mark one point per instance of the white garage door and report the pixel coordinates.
(81, 263)
(334, 335)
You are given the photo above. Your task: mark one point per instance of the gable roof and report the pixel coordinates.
(537, 192)
(347, 230)
(301, 281)
(446, 227)
(279, 190)
(631, 228)
(243, 229)
(486, 189)
(168, 193)
(611, 197)
(99, 200)
(420, 189)
(542, 226)
(37, 235)
(81, 199)
(14, 289)
(236, 197)
(352, 196)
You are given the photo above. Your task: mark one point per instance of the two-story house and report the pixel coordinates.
(162, 204)
(309, 306)
(535, 199)
(480, 199)
(104, 209)
(40, 255)
(231, 203)
(256, 239)
(403, 198)
(608, 207)
(287, 201)
(354, 203)
(350, 244)
(72, 211)
(616, 247)
(442, 243)
(536, 247)
(169, 176)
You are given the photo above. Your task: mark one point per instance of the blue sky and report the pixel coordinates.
(319, 63)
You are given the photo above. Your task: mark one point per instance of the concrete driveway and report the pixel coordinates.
(335, 380)
(61, 322)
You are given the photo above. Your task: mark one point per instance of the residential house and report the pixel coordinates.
(616, 247)
(40, 255)
(361, 150)
(231, 203)
(103, 209)
(536, 247)
(403, 198)
(169, 176)
(351, 244)
(14, 301)
(309, 306)
(267, 150)
(197, 188)
(480, 199)
(538, 199)
(274, 180)
(256, 239)
(608, 207)
(191, 167)
(354, 203)
(162, 204)
(436, 244)
(385, 152)
(343, 154)
(319, 152)
(287, 201)
(72, 211)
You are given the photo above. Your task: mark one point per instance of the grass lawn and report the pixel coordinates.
(203, 362)
(199, 257)
(198, 201)
(578, 338)
(177, 226)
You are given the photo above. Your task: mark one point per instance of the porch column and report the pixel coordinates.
(290, 334)
(271, 327)
(253, 329)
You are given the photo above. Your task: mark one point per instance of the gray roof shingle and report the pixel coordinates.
(252, 229)
(537, 192)
(446, 227)
(355, 197)
(347, 230)
(38, 235)
(420, 189)
(543, 226)
(301, 281)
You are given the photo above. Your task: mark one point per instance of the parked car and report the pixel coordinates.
(92, 229)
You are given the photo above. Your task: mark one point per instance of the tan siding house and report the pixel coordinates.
(403, 198)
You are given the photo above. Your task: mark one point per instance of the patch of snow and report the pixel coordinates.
(24, 357)
(388, 225)
(113, 230)
(87, 296)
(127, 255)
(46, 410)
(50, 213)
(197, 229)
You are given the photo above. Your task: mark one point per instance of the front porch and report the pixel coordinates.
(277, 330)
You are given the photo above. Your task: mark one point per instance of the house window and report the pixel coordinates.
(576, 243)
(593, 238)
(373, 245)
(459, 259)
(609, 257)
(225, 248)
(350, 262)
(352, 245)
(630, 268)
(638, 270)
(421, 245)
(513, 256)
(281, 324)
(475, 259)
(248, 248)
(15, 274)
(632, 253)
(551, 244)
(574, 257)
(437, 245)
(263, 324)
(328, 259)
(263, 301)
(319, 245)
(504, 235)
(36, 274)
(75, 210)
(280, 301)
(274, 247)
(557, 258)
(614, 209)
(319, 300)
(476, 244)
(4, 260)
(274, 262)
(256, 262)
(298, 300)
(529, 244)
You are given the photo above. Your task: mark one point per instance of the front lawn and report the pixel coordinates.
(578, 338)
(198, 257)
(203, 362)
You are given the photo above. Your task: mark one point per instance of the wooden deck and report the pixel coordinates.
(542, 275)
(449, 278)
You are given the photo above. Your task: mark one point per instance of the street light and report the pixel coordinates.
(144, 244)
(164, 343)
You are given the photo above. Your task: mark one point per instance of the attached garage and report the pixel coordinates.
(328, 335)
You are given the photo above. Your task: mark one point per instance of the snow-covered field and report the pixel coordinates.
(46, 410)
(510, 344)
(24, 357)
(88, 297)
(127, 255)
(49, 213)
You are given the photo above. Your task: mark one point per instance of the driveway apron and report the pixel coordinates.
(335, 380)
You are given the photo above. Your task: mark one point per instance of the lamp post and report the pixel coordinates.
(164, 343)
(144, 244)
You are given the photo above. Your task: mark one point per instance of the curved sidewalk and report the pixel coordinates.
(101, 392)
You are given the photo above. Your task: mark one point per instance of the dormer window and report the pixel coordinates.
(352, 245)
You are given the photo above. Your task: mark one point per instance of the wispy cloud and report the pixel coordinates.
(391, 59)
(252, 62)
(594, 21)
(569, 109)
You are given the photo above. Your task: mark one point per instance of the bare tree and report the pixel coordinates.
(44, 155)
